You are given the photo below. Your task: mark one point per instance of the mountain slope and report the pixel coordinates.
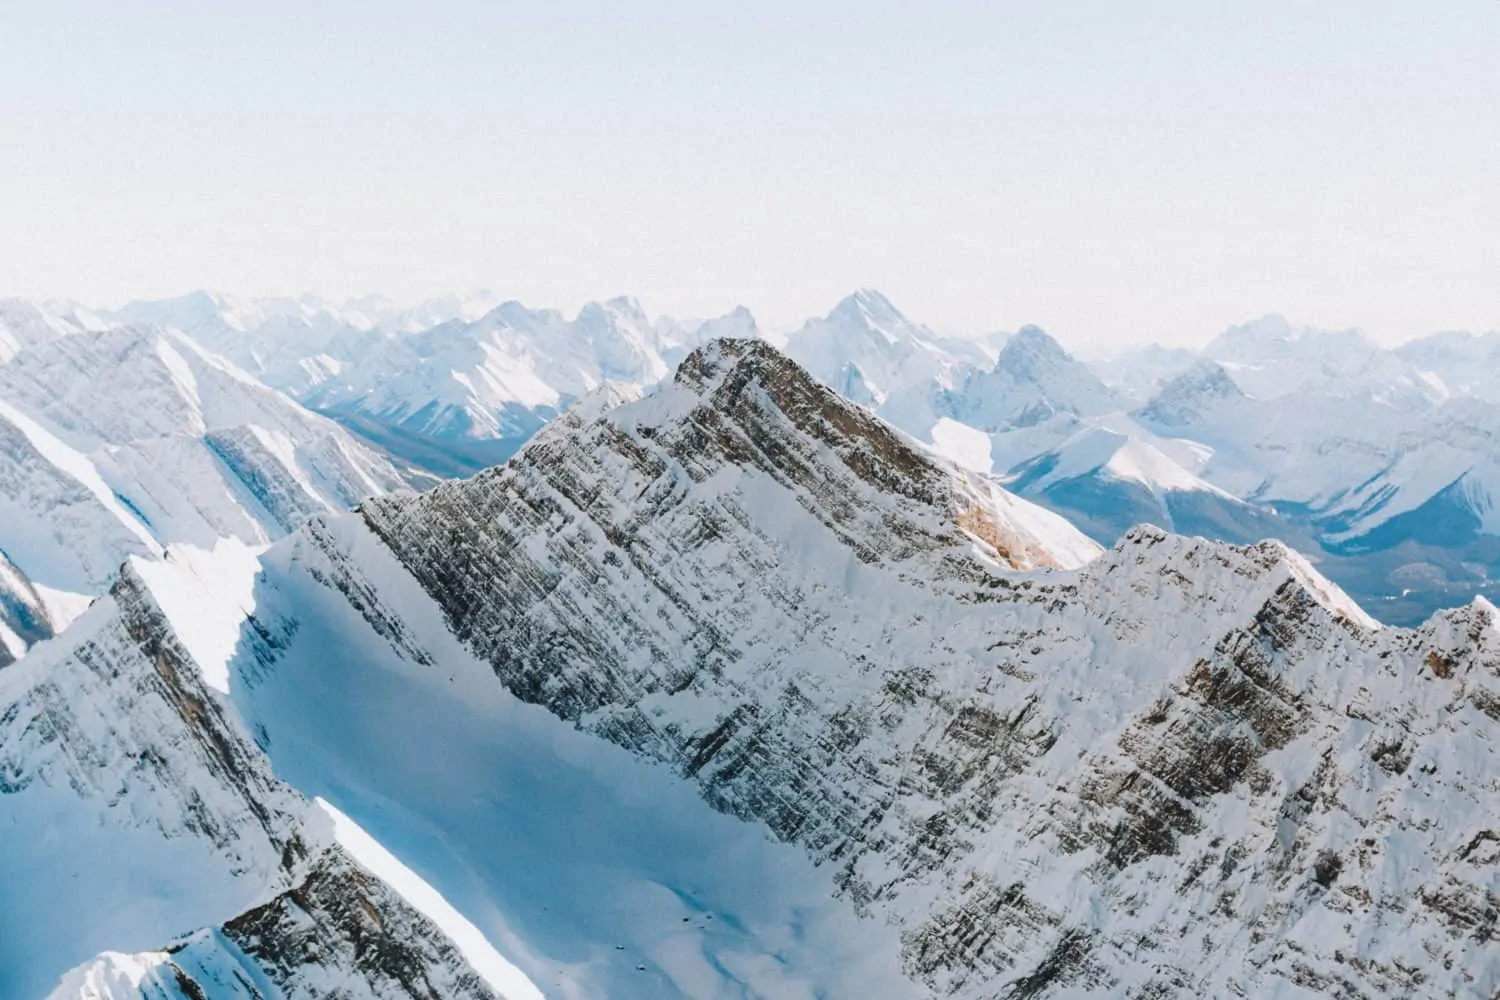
(1107, 480)
(1399, 496)
(463, 396)
(1465, 363)
(867, 351)
(294, 344)
(1270, 358)
(25, 324)
(115, 443)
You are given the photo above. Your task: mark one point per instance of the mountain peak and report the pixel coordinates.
(1146, 543)
(1033, 380)
(1204, 377)
(620, 306)
(1274, 336)
(738, 323)
(1029, 345)
(868, 307)
(1186, 397)
(704, 367)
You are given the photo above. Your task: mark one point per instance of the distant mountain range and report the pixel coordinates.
(1378, 463)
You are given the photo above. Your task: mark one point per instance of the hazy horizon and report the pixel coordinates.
(1114, 175)
(1084, 347)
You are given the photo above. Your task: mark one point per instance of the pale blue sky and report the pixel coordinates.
(1114, 172)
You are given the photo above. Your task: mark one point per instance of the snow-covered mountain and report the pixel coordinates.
(1401, 481)
(1467, 364)
(451, 385)
(964, 397)
(1320, 438)
(24, 324)
(1136, 373)
(866, 350)
(136, 804)
(1112, 476)
(1033, 380)
(1271, 358)
(118, 442)
(591, 682)
(295, 343)
(474, 392)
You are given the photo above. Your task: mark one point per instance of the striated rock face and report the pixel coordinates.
(135, 804)
(337, 932)
(658, 530)
(1186, 769)
(343, 931)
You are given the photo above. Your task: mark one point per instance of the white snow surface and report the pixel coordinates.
(1128, 453)
(962, 444)
(207, 595)
(125, 440)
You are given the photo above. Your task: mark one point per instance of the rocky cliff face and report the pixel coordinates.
(337, 931)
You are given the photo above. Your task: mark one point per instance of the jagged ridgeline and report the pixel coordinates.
(734, 690)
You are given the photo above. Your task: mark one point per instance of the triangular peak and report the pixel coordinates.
(869, 307)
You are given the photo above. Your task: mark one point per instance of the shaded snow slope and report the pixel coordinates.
(1113, 475)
